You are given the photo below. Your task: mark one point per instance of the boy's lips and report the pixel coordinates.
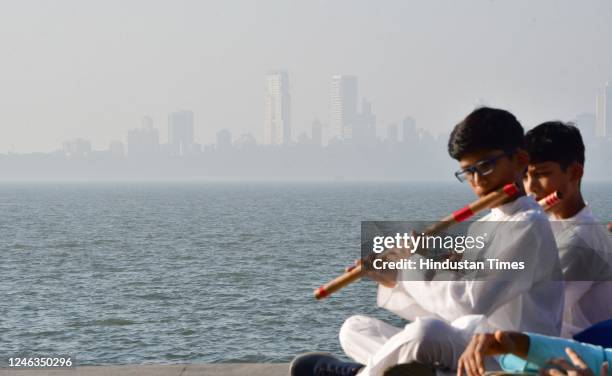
(482, 188)
(537, 196)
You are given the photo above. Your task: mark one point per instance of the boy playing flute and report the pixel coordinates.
(489, 145)
(556, 163)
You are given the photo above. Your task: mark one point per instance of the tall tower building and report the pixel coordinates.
(317, 132)
(586, 123)
(363, 129)
(343, 105)
(607, 102)
(603, 111)
(180, 132)
(408, 129)
(392, 133)
(599, 112)
(277, 113)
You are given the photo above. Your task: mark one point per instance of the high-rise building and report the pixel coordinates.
(343, 105)
(180, 133)
(224, 139)
(607, 102)
(392, 133)
(600, 114)
(408, 129)
(277, 112)
(586, 124)
(603, 111)
(142, 142)
(317, 133)
(363, 131)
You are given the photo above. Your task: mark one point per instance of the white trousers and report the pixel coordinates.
(378, 345)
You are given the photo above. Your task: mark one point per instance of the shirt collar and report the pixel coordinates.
(520, 204)
(584, 215)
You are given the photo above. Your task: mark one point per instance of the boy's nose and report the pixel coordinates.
(530, 185)
(476, 178)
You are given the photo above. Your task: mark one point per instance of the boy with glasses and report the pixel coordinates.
(488, 144)
(482, 168)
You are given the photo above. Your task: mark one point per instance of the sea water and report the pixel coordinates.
(117, 273)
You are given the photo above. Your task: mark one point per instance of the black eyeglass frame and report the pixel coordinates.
(463, 174)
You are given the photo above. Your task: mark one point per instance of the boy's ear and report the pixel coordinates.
(576, 171)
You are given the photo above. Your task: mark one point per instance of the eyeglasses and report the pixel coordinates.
(483, 167)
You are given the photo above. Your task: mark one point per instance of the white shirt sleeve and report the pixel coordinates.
(400, 302)
(528, 241)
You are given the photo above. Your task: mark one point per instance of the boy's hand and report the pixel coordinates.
(579, 368)
(488, 344)
(386, 277)
(452, 256)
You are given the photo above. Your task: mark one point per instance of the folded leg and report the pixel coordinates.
(428, 341)
(363, 336)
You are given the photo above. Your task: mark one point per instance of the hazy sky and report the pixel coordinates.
(92, 69)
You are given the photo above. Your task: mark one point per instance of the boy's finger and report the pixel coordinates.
(562, 363)
(466, 366)
(479, 360)
(355, 264)
(472, 366)
(604, 369)
(576, 359)
(554, 372)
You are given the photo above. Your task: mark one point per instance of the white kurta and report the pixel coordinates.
(585, 252)
(447, 313)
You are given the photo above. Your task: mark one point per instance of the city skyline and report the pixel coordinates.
(346, 122)
(356, 146)
(431, 61)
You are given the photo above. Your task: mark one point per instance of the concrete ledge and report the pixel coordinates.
(222, 369)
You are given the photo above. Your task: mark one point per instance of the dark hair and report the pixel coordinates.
(486, 128)
(555, 141)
